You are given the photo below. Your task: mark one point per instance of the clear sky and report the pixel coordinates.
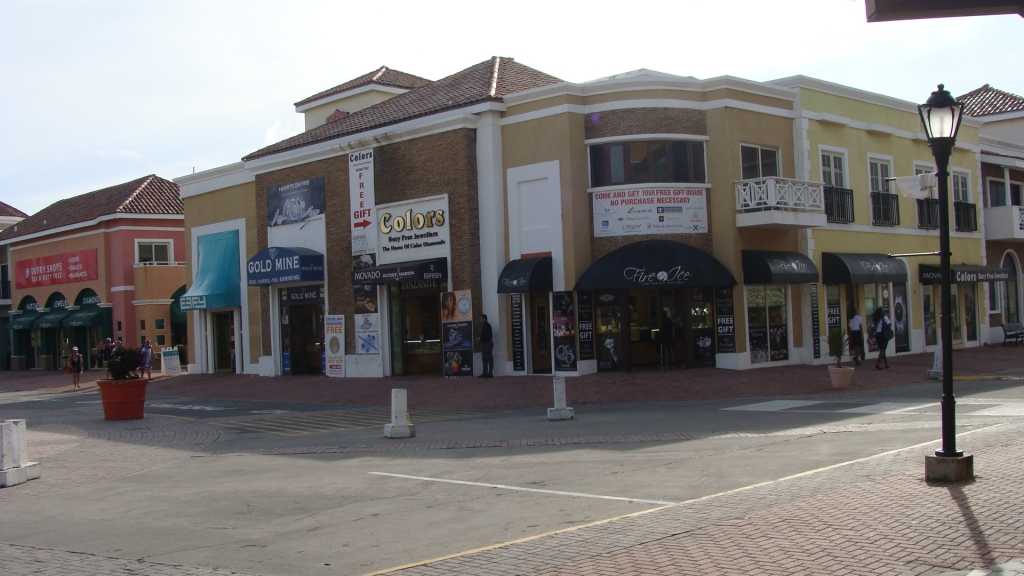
(97, 93)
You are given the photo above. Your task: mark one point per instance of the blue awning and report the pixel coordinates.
(277, 265)
(216, 284)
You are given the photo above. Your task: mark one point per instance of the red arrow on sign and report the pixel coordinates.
(362, 224)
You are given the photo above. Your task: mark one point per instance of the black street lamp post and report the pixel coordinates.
(941, 116)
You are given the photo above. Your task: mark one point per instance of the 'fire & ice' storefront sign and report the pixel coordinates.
(650, 211)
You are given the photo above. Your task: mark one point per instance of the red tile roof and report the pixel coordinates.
(147, 195)
(384, 76)
(988, 100)
(489, 80)
(6, 210)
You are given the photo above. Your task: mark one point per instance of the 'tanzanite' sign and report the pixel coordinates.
(283, 265)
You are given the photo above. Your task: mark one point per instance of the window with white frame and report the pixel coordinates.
(961, 187)
(832, 169)
(878, 172)
(153, 252)
(758, 161)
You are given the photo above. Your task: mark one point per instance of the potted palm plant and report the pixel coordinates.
(838, 342)
(124, 394)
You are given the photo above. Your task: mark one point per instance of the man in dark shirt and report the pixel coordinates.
(486, 348)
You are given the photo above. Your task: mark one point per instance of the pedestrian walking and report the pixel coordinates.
(883, 333)
(856, 336)
(146, 368)
(76, 365)
(486, 348)
(107, 353)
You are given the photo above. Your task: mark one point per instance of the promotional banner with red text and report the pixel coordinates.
(77, 266)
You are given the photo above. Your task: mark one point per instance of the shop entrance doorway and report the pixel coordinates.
(415, 330)
(305, 331)
(223, 341)
(540, 341)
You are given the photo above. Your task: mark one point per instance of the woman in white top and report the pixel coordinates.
(856, 336)
(881, 321)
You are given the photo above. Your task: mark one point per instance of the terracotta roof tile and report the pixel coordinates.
(9, 211)
(147, 195)
(988, 100)
(490, 80)
(384, 76)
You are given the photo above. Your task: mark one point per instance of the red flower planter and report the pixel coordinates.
(123, 399)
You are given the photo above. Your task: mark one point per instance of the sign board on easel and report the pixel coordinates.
(170, 362)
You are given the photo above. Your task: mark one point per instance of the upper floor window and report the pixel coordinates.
(759, 162)
(997, 195)
(961, 189)
(153, 252)
(832, 173)
(878, 174)
(643, 162)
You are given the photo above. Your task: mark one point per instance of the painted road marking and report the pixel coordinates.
(889, 408)
(521, 489)
(187, 407)
(1003, 410)
(775, 405)
(317, 423)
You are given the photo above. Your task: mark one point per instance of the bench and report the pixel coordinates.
(1013, 332)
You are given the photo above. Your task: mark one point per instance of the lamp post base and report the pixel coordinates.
(948, 469)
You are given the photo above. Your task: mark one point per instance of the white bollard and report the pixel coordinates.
(560, 412)
(400, 427)
(936, 372)
(14, 465)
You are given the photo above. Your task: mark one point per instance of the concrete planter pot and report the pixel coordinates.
(840, 376)
(123, 399)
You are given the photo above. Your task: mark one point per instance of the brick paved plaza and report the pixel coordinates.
(718, 482)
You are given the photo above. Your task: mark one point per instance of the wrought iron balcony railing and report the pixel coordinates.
(965, 216)
(885, 209)
(927, 213)
(838, 204)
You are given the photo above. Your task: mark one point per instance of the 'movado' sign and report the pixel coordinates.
(77, 266)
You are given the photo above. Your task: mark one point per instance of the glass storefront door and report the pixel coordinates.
(767, 324)
(414, 312)
(223, 341)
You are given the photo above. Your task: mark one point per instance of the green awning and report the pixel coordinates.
(51, 319)
(217, 281)
(86, 316)
(23, 321)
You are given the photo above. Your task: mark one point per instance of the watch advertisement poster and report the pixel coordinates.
(585, 314)
(334, 333)
(457, 334)
(564, 328)
(295, 202)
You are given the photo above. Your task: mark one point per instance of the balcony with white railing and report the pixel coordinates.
(1004, 223)
(780, 203)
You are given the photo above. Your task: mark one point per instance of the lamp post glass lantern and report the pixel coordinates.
(941, 116)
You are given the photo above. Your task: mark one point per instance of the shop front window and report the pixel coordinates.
(767, 325)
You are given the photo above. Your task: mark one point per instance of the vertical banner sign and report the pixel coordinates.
(518, 344)
(457, 334)
(364, 249)
(970, 313)
(334, 334)
(900, 317)
(833, 310)
(585, 313)
(725, 320)
(563, 318)
(815, 320)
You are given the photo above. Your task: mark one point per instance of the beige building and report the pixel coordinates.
(638, 221)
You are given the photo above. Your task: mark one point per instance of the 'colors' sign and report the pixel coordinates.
(77, 266)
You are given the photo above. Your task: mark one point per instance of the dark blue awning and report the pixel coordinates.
(277, 265)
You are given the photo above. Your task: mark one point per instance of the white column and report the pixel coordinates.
(491, 200)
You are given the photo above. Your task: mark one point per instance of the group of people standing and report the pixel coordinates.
(881, 331)
(106, 351)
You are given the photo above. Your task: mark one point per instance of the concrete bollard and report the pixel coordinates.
(400, 427)
(14, 465)
(560, 411)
